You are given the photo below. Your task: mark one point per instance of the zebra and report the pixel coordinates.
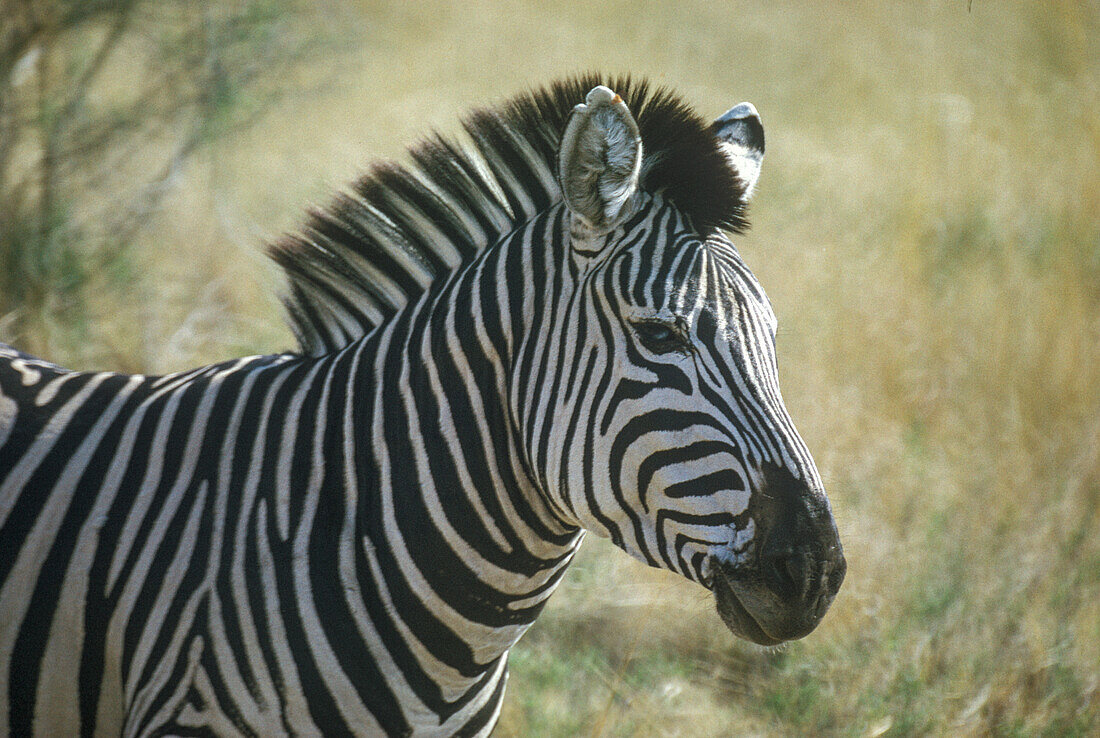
(537, 330)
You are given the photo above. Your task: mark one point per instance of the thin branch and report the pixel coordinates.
(81, 86)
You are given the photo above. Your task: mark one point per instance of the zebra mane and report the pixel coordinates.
(400, 227)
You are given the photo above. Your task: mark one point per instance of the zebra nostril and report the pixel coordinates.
(836, 577)
(784, 573)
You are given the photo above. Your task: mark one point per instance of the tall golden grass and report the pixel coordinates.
(928, 228)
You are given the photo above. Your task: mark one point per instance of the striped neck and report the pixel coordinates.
(457, 539)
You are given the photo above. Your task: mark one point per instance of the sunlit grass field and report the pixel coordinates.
(927, 226)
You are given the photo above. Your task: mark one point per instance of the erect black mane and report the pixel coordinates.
(359, 261)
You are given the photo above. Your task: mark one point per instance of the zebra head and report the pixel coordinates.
(668, 434)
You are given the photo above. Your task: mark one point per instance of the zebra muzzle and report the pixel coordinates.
(779, 586)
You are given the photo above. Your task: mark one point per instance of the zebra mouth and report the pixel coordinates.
(733, 612)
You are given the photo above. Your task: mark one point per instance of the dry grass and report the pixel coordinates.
(928, 227)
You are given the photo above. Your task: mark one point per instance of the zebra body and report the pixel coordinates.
(497, 355)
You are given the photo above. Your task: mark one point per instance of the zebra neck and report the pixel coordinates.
(447, 508)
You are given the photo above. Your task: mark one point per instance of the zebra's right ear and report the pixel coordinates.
(599, 161)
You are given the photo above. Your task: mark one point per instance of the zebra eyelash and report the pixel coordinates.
(661, 336)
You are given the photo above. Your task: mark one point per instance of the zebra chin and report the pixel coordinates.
(752, 608)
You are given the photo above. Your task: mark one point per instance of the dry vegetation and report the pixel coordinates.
(928, 227)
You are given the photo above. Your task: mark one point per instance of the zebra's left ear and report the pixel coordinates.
(599, 161)
(741, 137)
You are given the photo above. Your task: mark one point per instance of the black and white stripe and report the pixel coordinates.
(351, 538)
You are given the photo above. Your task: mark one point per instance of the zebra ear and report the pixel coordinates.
(741, 136)
(599, 161)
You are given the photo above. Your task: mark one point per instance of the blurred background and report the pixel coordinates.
(927, 226)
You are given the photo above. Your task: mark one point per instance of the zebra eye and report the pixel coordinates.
(659, 337)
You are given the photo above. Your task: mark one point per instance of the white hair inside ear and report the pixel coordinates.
(599, 160)
(741, 137)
